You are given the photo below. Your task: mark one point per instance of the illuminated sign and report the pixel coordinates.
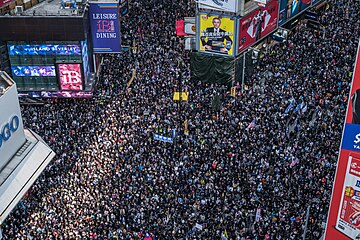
(8, 129)
(85, 59)
(105, 27)
(26, 71)
(44, 49)
(70, 76)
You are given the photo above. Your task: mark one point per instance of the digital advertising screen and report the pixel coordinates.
(290, 8)
(257, 25)
(33, 71)
(105, 27)
(44, 49)
(70, 76)
(216, 35)
(344, 213)
(85, 60)
(65, 94)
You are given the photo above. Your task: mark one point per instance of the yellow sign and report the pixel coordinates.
(186, 127)
(232, 92)
(216, 34)
(184, 96)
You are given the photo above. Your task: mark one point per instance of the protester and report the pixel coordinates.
(248, 171)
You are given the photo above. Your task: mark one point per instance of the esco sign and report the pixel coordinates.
(9, 128)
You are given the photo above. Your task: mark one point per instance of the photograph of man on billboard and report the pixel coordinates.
(214, 38)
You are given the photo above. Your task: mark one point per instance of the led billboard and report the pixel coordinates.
(85, 60)
(257, 25)
(290, 8)
(39, 71)
(70, 76)
(44, 49)
(344, 213)
(105, 27)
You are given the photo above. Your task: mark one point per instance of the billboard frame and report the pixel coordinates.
(263, 37)
(220, 15)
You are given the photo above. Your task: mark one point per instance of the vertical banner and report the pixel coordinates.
(257, 25)
(85, 60)
(344, 214)
(290, 8)
(216, 34)
(105, 27)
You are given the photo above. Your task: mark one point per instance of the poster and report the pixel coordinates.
(105, 27)
(257, 25)
(216, 35)
(344, 219)
(348, 221)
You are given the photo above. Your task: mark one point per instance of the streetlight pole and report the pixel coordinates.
(180, 63)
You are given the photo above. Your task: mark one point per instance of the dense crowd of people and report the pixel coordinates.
(248, 171)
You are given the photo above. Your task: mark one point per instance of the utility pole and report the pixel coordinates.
(243, 73)
(180, 63)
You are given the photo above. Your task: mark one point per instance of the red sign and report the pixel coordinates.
(257, 24)
(5, 2)
(70, 76)
(343, 221)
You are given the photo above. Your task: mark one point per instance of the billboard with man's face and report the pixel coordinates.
(257, 25)
(216, 35)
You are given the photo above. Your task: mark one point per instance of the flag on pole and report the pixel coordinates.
(294, 161)
(252, 124)
(258, 215)
(304, 109)
(298, 107)
(291, 105)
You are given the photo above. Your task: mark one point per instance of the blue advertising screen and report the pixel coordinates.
(105, 27)
(290, 8)
(44, 49)
(85, 60)
(33, 71)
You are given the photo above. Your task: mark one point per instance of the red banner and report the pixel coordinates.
(343, 221)
(257, 24)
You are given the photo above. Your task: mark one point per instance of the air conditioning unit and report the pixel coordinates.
(19, 9)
